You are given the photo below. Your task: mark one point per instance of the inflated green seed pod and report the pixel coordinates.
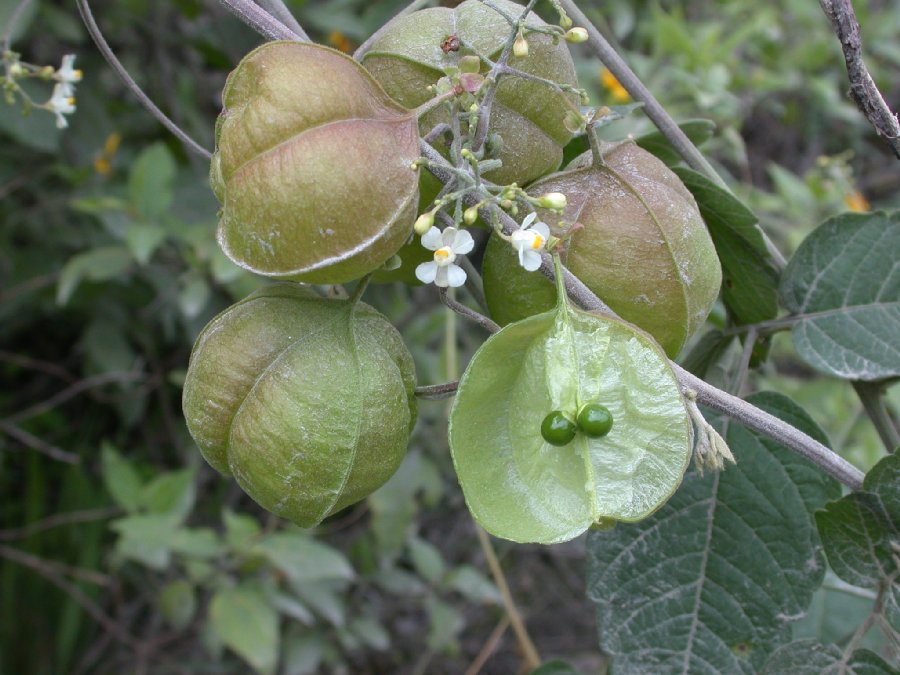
(307, 402)
(312, 166)
(644, 248)
(528, 115)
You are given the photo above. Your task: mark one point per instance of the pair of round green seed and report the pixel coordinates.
(594, 420)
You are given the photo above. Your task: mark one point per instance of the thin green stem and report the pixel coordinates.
(95, 32)
(361, 286)
(871, 394)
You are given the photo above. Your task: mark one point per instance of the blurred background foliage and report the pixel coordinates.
(121, 551)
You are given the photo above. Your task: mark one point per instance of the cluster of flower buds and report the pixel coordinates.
(62, 99)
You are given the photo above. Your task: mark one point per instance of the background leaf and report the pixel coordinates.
(248, 625)
(151, 180)
(99, 264)
(844, 283)
(749, 275)
(120, 478)
(711, 582)
(699, 131)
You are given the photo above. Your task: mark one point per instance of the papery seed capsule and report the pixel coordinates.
(312, 166)
(308, 402)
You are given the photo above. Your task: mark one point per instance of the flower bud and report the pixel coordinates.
(470, 215)
(424, 223)
(520, 47)
(470, 64)
(552, 200)
(565, 21)
(471, 82)
(576, 35)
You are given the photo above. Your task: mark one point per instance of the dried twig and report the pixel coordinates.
(69, 518)
(862, 87)
(37, 444)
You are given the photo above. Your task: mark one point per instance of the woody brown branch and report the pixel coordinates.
(862, 87)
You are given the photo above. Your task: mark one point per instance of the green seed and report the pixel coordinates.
(595, 420)
(557, 429)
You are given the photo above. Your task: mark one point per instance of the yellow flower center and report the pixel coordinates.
(538, 242)
(444, 256)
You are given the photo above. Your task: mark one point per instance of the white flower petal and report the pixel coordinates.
(532, 260)
(448, 236)
(520, 239)
(528, 220)
(462, 242)
(456, 275)
(426, 272)
(440, 278)
(432, 239)
(542, 229)
(522, 252)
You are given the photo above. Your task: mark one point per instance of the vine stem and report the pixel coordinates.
(657, 114)
(88, 18)
(467, 312)
(532, 657)
(261, 21)
(280, 11)
(872, 398)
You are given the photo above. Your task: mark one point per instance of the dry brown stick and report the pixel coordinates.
(50, 574)
(489, 647)
(38, 444)
(71, 392)
(69, 518)
(862, 87)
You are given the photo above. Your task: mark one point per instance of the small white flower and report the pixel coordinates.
(66, 73)
(529, 240)
(446, 246)
(61, 103)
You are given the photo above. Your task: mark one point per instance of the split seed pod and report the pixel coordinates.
(528, 115)
(312, 166)
(308, 402)
(521, 486)
(643, 248)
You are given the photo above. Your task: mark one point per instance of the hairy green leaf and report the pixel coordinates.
(860, 531)
(843, 285)
(749, 276)
(711, 583)
(698, 131)
(809, 657)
